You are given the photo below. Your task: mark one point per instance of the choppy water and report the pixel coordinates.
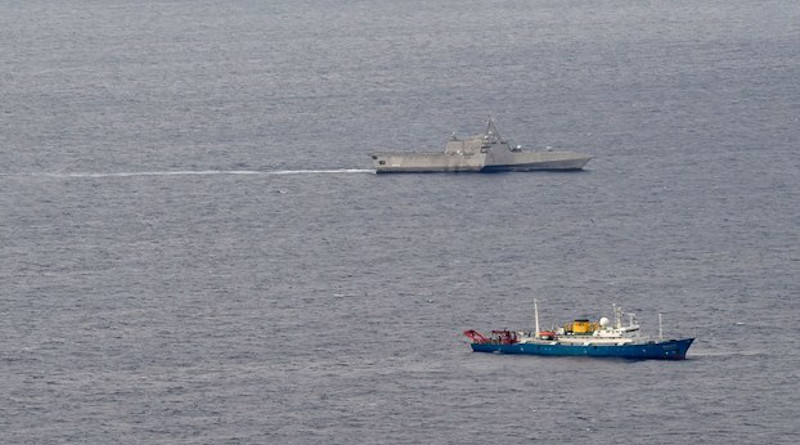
(194, 249)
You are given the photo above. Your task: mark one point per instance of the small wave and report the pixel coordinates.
(726, 353)
(191, 173)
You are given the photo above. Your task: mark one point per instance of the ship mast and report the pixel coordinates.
(536, 315)
(491, 134)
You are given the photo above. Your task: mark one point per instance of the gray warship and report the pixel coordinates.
(486, 152)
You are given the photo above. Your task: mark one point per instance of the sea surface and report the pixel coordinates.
(194, 248)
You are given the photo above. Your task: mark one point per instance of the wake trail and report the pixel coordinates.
(91, 175)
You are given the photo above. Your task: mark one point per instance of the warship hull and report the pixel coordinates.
(437, 163)
(486, 152)
(536, 161)
(664, 350)
(425, 163)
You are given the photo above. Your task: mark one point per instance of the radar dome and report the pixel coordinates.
(603, 321)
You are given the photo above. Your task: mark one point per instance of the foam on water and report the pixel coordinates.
(91, 175)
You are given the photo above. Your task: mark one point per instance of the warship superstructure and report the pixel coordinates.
(485, 152)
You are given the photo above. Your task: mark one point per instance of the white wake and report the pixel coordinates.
(194, 173)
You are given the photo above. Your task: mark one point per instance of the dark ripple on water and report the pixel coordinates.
(195, 249)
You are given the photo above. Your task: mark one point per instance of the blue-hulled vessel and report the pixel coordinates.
(583, 338)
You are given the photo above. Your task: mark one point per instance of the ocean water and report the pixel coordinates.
(194, 248)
